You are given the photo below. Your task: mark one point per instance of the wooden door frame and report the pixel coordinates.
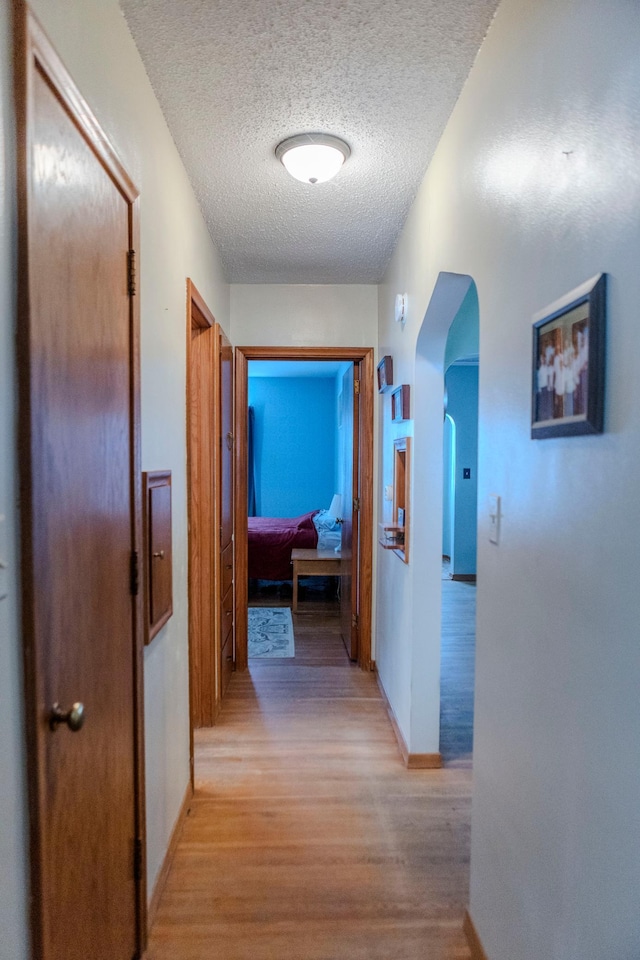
(34, 52)
(364, 356)
(200, 316)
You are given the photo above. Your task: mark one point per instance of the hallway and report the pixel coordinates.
(307, 839)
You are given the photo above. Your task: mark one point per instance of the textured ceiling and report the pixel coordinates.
(235, 77)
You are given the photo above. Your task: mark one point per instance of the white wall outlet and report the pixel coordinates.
(494, 518)
(388, 491)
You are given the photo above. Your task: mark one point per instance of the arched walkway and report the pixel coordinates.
(446, 301)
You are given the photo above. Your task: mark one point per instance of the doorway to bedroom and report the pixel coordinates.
(297, 446)
(303, 517)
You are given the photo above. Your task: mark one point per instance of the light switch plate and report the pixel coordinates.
(494, 518)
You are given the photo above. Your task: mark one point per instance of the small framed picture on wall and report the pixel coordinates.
(567, 394)
(400, 403)
(385, 374)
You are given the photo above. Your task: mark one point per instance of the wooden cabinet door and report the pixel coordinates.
(159, 550)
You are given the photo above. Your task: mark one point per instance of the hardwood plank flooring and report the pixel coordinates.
(457, 672)
(307, 838)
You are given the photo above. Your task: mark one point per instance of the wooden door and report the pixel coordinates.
(349, 491)
(201, 438)
(81, 521)
(210, 497)
(225, 510)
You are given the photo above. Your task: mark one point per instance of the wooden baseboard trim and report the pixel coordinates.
(163, 873)
(474, 941)
(412, 761)
(424, 761)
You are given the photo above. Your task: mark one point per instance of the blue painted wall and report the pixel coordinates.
(462, 389)
(463, 341)
(344, 445)
(448, 486)
(295, 443)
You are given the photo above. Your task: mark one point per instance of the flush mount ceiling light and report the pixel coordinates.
(313, 157)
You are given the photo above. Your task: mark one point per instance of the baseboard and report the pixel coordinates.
(412, 761)
(464, 577)
(474, 941)
(163, 873)
(424, 761)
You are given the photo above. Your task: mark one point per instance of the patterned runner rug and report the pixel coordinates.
(270, 632)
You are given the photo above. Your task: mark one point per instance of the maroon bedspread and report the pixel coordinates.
(271, 540)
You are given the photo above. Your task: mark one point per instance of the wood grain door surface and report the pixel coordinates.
(211, 520)
(225, 481)
(226, 432)
(79, 498)
(349, 487)
(201, 439)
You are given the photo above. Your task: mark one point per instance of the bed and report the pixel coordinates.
(271, 540)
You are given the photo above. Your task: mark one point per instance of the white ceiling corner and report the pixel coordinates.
(235, 77)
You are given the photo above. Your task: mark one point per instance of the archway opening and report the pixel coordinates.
(453, 294)
(459, 534)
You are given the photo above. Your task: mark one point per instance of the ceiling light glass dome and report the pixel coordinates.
(313, 157)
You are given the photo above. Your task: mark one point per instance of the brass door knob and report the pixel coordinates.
(74, 718)
(159, 554)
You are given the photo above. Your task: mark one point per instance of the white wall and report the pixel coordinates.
(92, 38)
(304, 315)
(535, 187)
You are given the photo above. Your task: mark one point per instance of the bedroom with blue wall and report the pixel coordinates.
(460, 454)
(460, 516)
(294, 443)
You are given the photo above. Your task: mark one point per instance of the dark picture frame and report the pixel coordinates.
(385, 374)
(400, 403)
(568, 363)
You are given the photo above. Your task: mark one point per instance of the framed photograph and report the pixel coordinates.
(385, 374)
(400, 403)
(567, 395)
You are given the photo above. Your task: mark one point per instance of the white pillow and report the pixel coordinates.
(329, 531)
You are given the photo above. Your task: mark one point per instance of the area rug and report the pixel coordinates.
(270, 632)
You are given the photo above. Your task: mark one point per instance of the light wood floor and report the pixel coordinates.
(307, 839)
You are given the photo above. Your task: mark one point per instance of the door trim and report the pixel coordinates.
(363, 356)
(200, 317)
(34, 52)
